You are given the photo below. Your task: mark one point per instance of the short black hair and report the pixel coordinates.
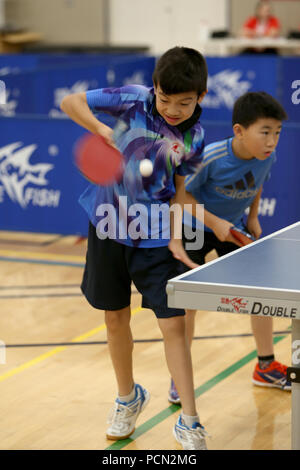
(252, 106)
(181, 70)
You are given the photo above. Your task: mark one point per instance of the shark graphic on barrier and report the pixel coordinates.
(16, 171)
(224, 88)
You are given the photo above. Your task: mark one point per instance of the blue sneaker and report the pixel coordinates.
(124, 415)
(191, 438)
(173, 394)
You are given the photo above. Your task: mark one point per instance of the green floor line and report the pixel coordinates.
(158, 418)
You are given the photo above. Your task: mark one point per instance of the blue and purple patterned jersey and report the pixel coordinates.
(135, 210)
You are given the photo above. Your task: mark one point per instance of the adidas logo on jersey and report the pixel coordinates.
(240, 189)
(235, 193)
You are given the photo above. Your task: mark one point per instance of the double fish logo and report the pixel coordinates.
(224, 89)
(237, 303)
(16, 172)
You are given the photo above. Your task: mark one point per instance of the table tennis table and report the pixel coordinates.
(263, 279)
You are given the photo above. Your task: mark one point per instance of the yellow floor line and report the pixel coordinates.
(42, 357)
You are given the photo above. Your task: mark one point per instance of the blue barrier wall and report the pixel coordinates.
(15, 63)
(290, 87)
(230, 77)
(39, 184)
(40, 90)
(42, 80)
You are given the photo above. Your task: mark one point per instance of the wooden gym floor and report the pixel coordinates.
(57, 384)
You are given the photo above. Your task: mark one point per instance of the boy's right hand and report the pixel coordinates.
(221, 229)
(106, 133)
(178, 251)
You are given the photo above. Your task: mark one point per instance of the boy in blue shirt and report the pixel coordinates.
(161, 124)
(230, 181)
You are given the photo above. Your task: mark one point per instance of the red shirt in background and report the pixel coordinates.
(262, 28)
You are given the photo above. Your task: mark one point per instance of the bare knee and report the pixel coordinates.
(116, 320)
(173, 327)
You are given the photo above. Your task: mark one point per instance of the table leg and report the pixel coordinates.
(296, 385)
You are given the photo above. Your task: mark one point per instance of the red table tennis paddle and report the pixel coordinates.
(98, 161)
(242, 236)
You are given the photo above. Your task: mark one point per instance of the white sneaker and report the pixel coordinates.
(191, 438)
(124, 415)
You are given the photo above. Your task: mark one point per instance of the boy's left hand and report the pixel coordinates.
(254, 227)
(178, 251)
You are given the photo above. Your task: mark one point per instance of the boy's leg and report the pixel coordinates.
(120, 344)
(178, 357)
(173, 394)
(198, 256)
(107, 286)
(262, 328)
(151, 269)
(187, 431)
(267, 372)
(190, 325)
(132, 398)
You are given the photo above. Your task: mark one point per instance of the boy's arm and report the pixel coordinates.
(176, 212)
(219, 226)
(253, 224)
(77, 108)
(193, 184)
(184, 200)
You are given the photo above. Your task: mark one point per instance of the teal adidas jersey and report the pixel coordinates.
(226, 184)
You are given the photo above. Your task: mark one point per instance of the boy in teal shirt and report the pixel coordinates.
(230, 181)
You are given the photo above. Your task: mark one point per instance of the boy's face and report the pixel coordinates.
(260, 139)
(176, 109)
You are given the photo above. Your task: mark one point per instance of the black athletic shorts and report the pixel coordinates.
(111, 267)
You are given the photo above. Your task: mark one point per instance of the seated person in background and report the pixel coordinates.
(262, 25)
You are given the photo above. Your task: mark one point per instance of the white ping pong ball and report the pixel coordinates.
(146, 167)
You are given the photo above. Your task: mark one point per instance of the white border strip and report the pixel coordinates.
(240, 286)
